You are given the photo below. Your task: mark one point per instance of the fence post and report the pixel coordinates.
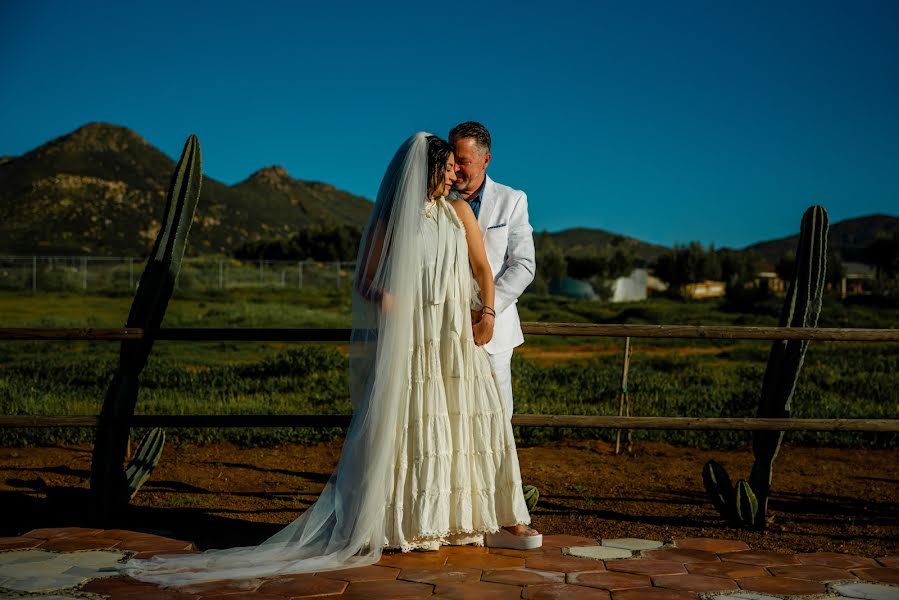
(299, 274)
(623, 398)
(338, 274)
(33, 274)
(84, 272)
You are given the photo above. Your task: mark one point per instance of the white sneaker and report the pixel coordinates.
(506, 539)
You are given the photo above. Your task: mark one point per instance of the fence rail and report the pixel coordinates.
(211, 334)
(556, 421)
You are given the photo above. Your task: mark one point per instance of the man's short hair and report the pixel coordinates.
(471, 129)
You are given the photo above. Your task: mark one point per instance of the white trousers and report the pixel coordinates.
(502, 367)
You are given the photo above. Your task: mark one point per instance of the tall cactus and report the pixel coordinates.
(747, 503)
(109, 483)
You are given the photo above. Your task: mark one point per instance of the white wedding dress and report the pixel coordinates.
(429, 457)
(456, 472)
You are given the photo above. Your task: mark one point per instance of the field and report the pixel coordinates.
(835, 492)
(552, 375)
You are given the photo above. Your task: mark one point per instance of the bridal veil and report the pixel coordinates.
(346, 525)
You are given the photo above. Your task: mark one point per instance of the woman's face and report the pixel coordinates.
(449, 178)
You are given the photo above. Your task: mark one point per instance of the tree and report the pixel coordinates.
(687, 264)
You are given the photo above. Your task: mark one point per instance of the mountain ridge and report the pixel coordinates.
(100, 189)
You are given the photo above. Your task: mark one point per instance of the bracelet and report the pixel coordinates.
(486, 308)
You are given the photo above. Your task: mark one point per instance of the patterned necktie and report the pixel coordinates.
(475, 204)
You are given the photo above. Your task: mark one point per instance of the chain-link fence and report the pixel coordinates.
(106, 274)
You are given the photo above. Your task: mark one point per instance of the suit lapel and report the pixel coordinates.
(488, 203)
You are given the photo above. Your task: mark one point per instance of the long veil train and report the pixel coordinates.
(346, 525)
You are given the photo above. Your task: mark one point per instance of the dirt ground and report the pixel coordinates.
(824, 499)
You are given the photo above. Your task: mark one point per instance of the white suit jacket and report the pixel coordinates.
(509, 241)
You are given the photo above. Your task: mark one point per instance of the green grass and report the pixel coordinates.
(845, 380)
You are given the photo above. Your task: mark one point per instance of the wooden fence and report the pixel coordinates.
(524, 420)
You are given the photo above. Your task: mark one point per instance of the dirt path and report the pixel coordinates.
(828, 499)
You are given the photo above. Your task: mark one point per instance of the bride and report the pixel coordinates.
(429, 456)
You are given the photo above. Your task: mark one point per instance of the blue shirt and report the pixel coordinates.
(475, 201)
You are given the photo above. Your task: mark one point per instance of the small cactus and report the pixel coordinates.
(719, 488)
(147, 456)
(109, 483)
(747, 505)
(531, 496)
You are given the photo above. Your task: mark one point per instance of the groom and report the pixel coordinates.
(502, 214)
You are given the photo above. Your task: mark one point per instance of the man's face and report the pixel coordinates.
(471, 162)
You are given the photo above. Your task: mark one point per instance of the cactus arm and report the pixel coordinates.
(108, 480)
(147, 456)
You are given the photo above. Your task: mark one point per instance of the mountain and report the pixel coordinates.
(582, 236)
(848, 238)
(101, 190)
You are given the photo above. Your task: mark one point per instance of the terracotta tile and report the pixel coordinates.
(553, 550)
(303, 586)
(124, 587)
(369, 573)
(726, 569)
(436, 576)
(152, 553)
(14, 543)
(564, 564)
(155, 546)
(561, 541)
(399, 590)
(410, 560)
(760, 558)
(835, 560)
(522, 576)
(889, 561)
(221, 587)
(881, 574)
(811, 572)
(646, 566)
(711, 545)
(781, 585)
(694, 583)
(485, 561)
(563, 591)
(653, 594)
(456, 550)
(610, 581)
(681, 555)
(48, 533)
(72, 544)
(479, 590)
(229, 596)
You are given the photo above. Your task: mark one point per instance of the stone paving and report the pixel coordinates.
(69, 563)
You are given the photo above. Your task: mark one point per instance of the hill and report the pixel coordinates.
(849, 238)
(101, 190)
(569, 239)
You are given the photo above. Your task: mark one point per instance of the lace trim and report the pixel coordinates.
(427, 538)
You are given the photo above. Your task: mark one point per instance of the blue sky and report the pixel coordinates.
(717, 121)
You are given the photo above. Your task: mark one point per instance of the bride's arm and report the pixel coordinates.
(374, 248)
(477, 258)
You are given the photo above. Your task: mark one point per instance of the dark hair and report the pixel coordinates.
(438, 155)
(471, 129)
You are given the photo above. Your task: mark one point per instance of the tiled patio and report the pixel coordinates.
(74, 563)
